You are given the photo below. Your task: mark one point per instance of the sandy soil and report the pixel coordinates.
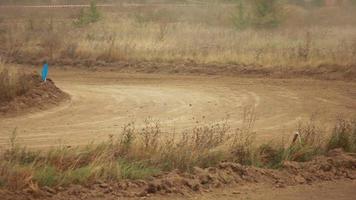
(40, 96)
(325, 177)
(102, 102)
(341, 190)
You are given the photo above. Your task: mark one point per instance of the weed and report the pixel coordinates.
(141, 153)
(13, 83)
(77, 176)
(150, 135)
(135, 170)
(343, 136)
(46, 176)
(127, 138)
(87, 17)
(269, 155)
(259, 14)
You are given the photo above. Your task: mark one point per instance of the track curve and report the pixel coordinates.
(102, 102)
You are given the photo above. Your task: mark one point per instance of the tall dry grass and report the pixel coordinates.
(204, 34)
(343, 136)
(12, 83)
(138, 153)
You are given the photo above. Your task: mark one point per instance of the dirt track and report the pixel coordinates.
(102, 102)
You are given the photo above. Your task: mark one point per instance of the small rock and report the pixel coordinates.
(204, 179)
(351, 176)
(299, 179)
(60, 188)
(198, 170)
(192, 184)
(280, 185)
(151, 188)
(75, 190)
(140, 183)
(104, 185)
(142, 194)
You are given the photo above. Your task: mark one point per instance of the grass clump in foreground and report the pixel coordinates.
(141, 153)
(343, 136)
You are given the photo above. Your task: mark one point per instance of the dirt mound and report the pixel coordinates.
(336, 166)
(41, 95)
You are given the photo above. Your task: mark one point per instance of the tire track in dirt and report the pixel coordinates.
(103, 102)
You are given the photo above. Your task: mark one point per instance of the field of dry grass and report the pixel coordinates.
(12, 83)
(190, 33)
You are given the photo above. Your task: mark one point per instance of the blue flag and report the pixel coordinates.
(44, 72)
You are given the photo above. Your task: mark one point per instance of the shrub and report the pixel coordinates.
(47, 176)
(77, 176)
(135, 170)
(12, 83)
(343, 136)
(259, 14)
(268, 155)
(266, 13)
(87, 17)
(308, 145)
(241, 19)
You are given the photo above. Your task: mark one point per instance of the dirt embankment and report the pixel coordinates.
(41, 95)
(323, 71)
(337, 165)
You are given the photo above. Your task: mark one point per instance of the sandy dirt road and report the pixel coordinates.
(102, 102)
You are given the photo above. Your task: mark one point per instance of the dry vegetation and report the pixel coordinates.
(140, 153)
(192, 33)
(201, 34)
(12, 83)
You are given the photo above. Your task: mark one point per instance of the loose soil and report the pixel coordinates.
(103, 101)
(40, 96)
(241, 182)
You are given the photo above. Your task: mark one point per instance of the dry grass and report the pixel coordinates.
(12, 83)
(140, 153)
(203, 34)
(343, 136)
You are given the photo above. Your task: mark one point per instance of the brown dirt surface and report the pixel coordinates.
(102, 102)
(336, 167)
(190, 67)
(39, 97)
